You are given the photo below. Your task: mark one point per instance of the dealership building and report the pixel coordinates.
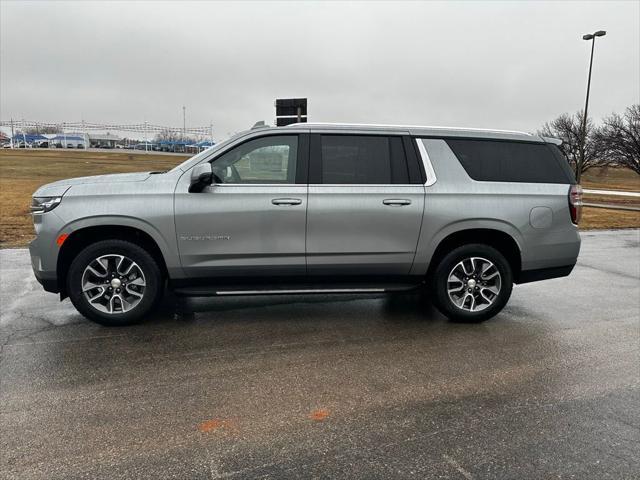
(108, 140)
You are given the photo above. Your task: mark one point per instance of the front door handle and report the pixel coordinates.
(396, 202)
(286, 201)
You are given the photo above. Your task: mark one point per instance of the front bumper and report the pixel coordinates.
(44, 250)
(47, 278)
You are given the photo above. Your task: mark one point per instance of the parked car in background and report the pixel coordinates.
(460, 215)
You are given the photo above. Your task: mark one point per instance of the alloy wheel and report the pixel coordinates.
(113, 284)
(474, 284)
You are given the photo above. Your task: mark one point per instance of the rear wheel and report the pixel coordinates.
(114, 282)
(472, 283)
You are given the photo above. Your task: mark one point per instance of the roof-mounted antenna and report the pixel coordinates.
(259, 124)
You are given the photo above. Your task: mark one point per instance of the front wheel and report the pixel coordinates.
(114, 282)
(472, 283)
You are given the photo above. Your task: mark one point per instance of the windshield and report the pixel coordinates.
(188, 163)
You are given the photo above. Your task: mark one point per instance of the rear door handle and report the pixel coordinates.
(396, 202)
(286, 201)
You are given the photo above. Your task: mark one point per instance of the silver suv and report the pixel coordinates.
(316, 208)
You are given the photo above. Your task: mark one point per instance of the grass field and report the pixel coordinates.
(23, 171)
(611, 179)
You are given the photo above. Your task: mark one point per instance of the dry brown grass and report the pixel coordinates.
(602, 218)
(610, 178)
(23, 171)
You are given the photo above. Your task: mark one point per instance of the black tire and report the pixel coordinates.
(153, 289)
(440, 283)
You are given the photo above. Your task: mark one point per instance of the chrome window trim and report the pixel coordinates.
(426, 161)
(258, 185)
(346, 185)
(349, 185)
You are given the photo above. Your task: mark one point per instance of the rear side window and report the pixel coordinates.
(362, 159)
(500, 161)
(564, 163)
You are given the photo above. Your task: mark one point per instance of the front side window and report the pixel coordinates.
(362, 159)
(263, 160)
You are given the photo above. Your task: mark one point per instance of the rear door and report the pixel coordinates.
(365, 205)
(251, 222)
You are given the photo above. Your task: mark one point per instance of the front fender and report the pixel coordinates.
(163, 243)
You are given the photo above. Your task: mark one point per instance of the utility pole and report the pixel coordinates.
(184, 123)
(12, 133)
(583, 132)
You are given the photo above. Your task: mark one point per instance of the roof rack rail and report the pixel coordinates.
(432, 127)
(554, 140)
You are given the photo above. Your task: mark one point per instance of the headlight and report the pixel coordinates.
(44, 204)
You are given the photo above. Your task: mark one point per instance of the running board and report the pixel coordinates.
(300, 291)
(209, 291)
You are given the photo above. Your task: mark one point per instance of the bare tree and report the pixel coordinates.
(167, 135)
(568, 128)
(43, 129)
(619, 138)
(172, 135)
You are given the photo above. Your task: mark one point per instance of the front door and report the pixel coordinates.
(365, 206)
(251, 221)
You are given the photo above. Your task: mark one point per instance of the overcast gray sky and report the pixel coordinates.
(509, 64)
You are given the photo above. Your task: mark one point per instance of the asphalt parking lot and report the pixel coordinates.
(330, 386)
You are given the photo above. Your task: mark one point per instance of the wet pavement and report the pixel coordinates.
(329, 386)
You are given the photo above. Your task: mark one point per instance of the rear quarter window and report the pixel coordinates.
(504, 161)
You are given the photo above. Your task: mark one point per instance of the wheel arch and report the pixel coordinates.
(80, 238)
(499, 239)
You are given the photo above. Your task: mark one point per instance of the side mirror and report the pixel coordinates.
(201, 176)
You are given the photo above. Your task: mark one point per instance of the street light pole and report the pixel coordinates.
(583, 132)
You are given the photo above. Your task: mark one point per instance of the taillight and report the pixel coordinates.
(575, 203)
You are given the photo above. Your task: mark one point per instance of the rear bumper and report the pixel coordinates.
(527, 276)
(558, 249)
